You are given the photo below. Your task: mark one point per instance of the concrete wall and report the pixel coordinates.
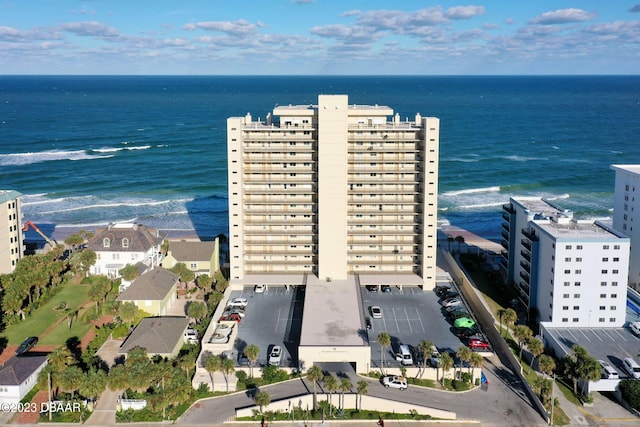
(350, 401)
(361, 355)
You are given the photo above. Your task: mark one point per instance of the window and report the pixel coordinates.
(616, 247)
(612, 319)
(193, 265)
(106, 242)
(575, 320)
(576, 295)
(614, 295)
(605, 259)
(579, 247)
(603, 295)
(578, 271)
(567, 259)
(578, 259)
(577, 283)
(565, 295)
(604, 271)
(567, 283)
(616, 259)
(565, 307)
(605, 246)
(125, 243)
(565, 319)
(602, 307)
(576, 307)
(603, 283)
(614, 271)
(567, 247)
(567, 272)
(614, 283)
(613, 307)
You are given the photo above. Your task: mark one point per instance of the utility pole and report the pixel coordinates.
(553, 383)
(49, 387)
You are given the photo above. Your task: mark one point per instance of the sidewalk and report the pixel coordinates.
(104, 413)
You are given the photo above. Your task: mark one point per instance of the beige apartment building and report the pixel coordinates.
(333, 192)
(11, 236)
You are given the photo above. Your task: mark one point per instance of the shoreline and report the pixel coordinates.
(62, 232)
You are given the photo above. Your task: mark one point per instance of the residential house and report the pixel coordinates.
(19, 375)
(122, 244)
(153, 292)
(199, 257)
(162, 336)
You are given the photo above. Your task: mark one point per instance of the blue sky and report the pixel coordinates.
(319, 37)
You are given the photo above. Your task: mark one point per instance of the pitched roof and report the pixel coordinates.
(158, 335)
(17, 369)
(152, 285)
(139, 238)
(191, 251)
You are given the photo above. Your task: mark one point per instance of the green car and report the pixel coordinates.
(464, 322)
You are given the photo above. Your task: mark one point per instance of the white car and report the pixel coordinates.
(191, 336)
(394, 382)
(376, 312)
(238, 302)
(259, 289)
(275, 355)
(451, 302)
(635, 327)
(608, 372)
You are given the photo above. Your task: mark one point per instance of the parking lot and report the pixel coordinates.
(409, 315)
(271, 318)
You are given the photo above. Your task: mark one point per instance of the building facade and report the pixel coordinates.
(11, 235)
(626, 212)
(333, 190)
(568, 273)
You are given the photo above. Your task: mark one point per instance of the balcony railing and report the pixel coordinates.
(505, 244)
(526, 266)
(526, 255)
(525, 276)
(508, 208)
(505, 235)
(505, 226)
(526, 243)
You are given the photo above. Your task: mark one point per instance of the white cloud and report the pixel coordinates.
(352, 12)
(464, 12)
(234, 28)
(89, 28)
(563, 16)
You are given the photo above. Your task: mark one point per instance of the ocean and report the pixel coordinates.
(89, 150)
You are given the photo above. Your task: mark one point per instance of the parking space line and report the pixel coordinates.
(620, 335)
(396, 319)
(420, 319)
(585, 335)
(607, 334)
(408, 321)
(278, 320)
(597, 334)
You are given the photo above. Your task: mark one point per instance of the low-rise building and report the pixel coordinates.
(199, 257)
(159, 336)
(153, 292)
(19, 375)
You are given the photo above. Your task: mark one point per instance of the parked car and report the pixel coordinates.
(452, 301)
(394, 382)
(456, 314)
(478, 344)
(259, 289)
(367, 322)
(632, 367)
(466, 332)
(237, 310)
(376, 312)
(238, 302)
(434, 358)
(26, 345)
(441, 290)
(372, 288)
(233, 316)
(464, 322)
(385, 288)
(191, 336)
(635, 327)
(453, 308)
(449, 295)
(275, 355)
(608, 372)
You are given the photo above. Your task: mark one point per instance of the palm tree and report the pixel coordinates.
(546, 364)
(363, 388)
(521, 334)
(476, 362)
(450, 240)
(384, 339)
(70, 379)
(501, 313)
(345, 385)
(118, 378)
(212, 364)
(252, 352)
(464, 354)
(262, 398)
(227, 367)
(315, 374)
(331, 384)
(426, 347)
(460, 241)
(536, 348)
(510, 316)
(447, 363)
(94, 383)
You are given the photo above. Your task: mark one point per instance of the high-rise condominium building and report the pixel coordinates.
(11, 237)
(335, 190)
(626, 214)
(568, 273)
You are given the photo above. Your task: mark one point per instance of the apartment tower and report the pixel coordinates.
(336, 191)
(626, 213)
(11, 237)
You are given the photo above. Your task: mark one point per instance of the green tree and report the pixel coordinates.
(426, 347)
(128, 311)
(212, 364)
(187, 361)
(446, 361)
(183, 271)
(70, 379)
(509, 317)
(204, 282)
(384, 339)
(460, 241)
(521, 333)
(197, 310)
(73, 241)
(464, 354)
(129, 272)
(60, 358)
(262, 399)
(546, 364)
(95, 294)
(630, 390)
(227, 367)
(314, 374)
(345, 385)
(362, 389)
(94, 383)
(476, 362)
(331, 384)
(252, 352)
(536, 348)
(118, 378)
(501, 313)
(589, 369)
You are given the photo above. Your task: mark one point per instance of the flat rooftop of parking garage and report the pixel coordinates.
(332, 314)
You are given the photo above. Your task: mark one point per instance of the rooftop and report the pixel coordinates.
(157, 335)
(628, 168)
(7, 195)
(191, 251)
(17, 369)
(543, 207)
(579, 229)
(153, 285)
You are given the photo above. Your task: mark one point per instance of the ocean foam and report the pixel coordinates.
(471, 191)
(16, 159)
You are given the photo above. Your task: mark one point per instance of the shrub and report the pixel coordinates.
(631, 392)
(242, 376)
(271, 374)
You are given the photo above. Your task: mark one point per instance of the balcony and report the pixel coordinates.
(505, 235)
(506, 217)
(526, 243)
(529, 234)
(525, 287)
(526, 255)
(508, 208)
(505, 244)
(526, 266)
(525, 276)
(505, 226)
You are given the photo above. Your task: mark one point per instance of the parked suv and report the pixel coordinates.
(632, 367)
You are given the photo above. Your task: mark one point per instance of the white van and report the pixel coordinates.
(404, 355)
(632, 367)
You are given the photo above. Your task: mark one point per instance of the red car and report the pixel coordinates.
(478, 344)
(233, 316)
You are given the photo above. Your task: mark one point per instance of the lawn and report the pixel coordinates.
(45, 316)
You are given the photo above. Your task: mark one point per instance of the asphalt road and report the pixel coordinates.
(503, 402)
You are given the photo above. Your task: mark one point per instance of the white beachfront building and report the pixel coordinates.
(11, 236)
(120, 244)
(626, 213)
(568, 273)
